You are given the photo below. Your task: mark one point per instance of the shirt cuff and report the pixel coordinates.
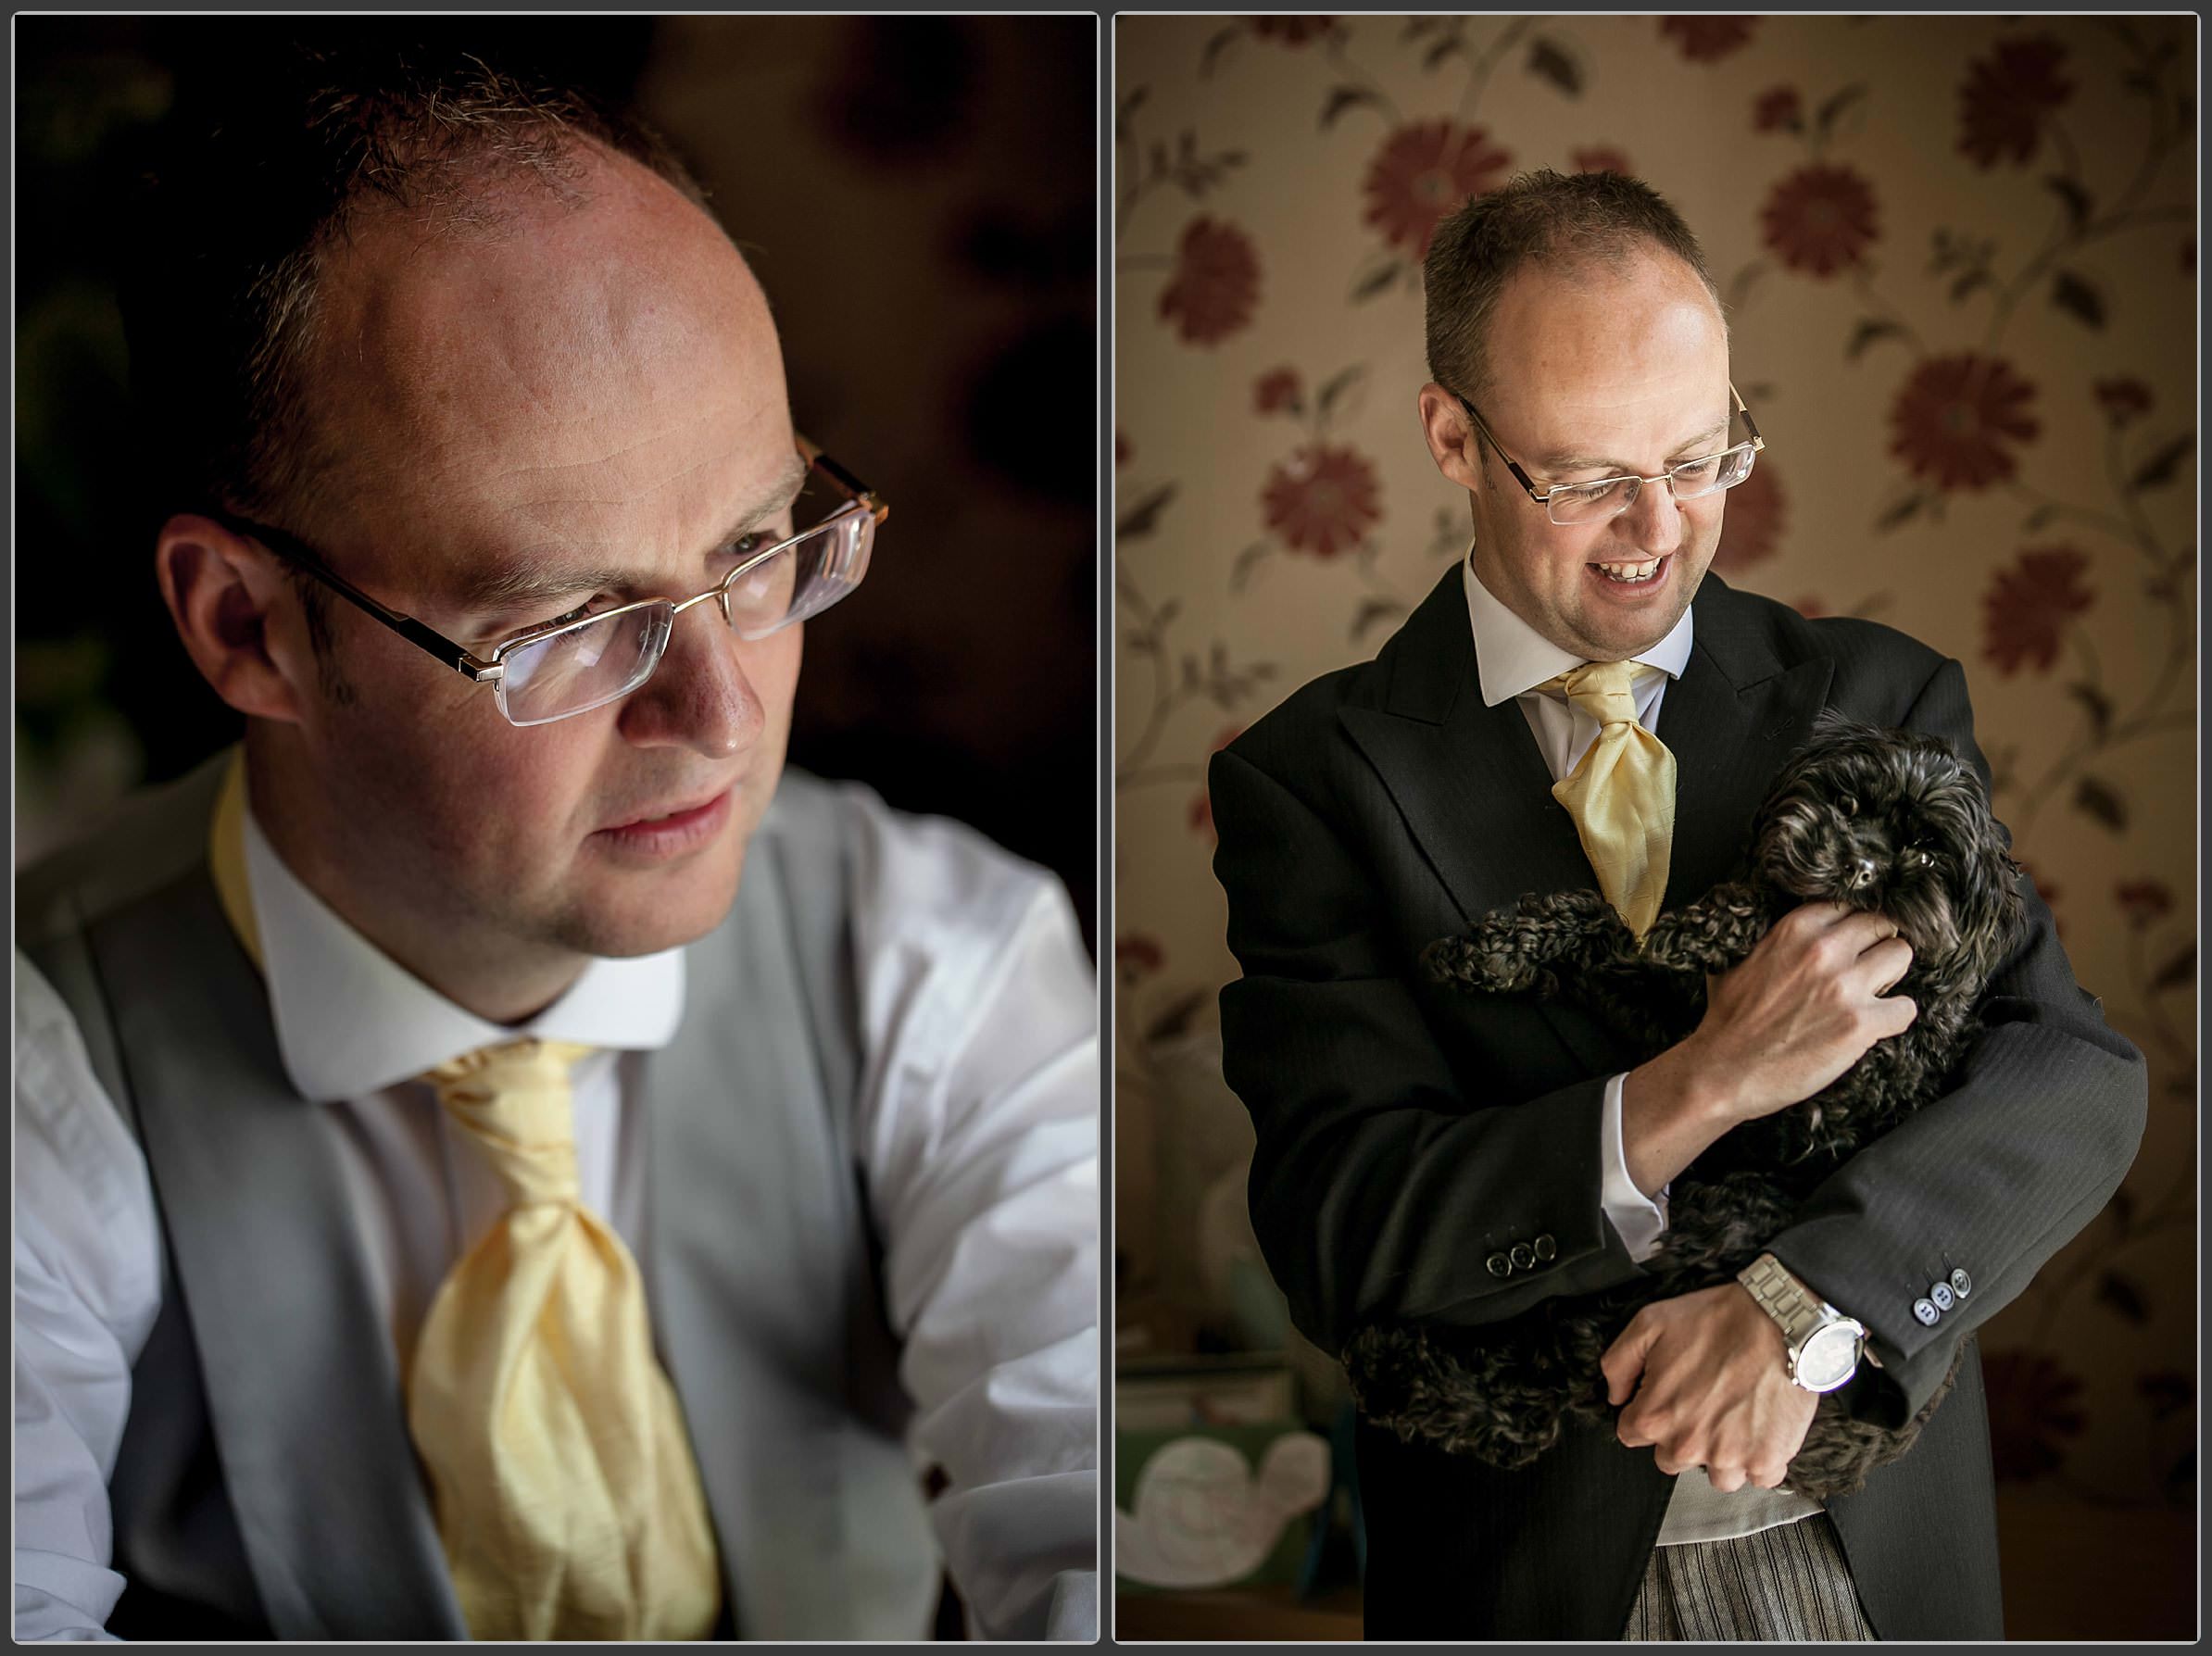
(1637, 1218)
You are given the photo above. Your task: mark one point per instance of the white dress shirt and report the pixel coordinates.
(1513, 659)
(977, 1126)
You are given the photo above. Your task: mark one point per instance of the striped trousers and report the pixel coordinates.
(1789, 1581)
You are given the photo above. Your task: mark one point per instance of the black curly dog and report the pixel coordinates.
(1870, 818)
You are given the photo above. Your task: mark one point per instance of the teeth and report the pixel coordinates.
(1632, 571)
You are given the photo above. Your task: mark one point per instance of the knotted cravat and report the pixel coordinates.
(567, 1497)
(1622, 794)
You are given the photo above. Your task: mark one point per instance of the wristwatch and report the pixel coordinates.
(1824, 1343)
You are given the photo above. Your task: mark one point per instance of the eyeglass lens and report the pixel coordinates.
(595, 663)
(1614, 495)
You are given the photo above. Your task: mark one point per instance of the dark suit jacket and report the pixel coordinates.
(1406, 1132)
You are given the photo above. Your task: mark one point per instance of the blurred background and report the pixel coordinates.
(1960, 260)
(918, 198)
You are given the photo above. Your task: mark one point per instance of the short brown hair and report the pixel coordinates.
(257, 183)
(1545, 218)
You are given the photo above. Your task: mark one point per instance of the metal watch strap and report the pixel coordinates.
(1787, 1301)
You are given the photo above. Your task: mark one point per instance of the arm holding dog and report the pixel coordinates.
(1378, 1186)
(1993, 1177)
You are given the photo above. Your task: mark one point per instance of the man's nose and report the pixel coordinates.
(1655, 521)
(698, 696)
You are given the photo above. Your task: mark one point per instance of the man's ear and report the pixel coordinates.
(235, 611)
(1451, 439)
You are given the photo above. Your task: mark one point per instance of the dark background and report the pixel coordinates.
(917, 196)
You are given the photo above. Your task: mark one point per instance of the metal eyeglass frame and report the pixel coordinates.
(1758, 446)
(490, 669)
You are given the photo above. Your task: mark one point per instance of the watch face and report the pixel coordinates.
(1828, 1358)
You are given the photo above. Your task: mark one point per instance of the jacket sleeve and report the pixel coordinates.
(1379, 1187)
(1992, 1178)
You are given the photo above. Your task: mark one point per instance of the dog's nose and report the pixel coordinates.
(1863, 872)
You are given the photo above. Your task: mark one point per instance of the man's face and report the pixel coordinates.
(598, 389)
(1602, 373)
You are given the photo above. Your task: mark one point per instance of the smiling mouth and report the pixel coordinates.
(1636, 573)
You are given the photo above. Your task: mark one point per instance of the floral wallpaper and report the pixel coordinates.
(1959, 259)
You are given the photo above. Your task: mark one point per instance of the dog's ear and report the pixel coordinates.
(1991, 909)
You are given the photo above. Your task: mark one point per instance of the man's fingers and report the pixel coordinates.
(1622, 1362)
(1884, 965)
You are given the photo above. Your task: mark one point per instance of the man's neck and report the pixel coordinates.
(499, 979)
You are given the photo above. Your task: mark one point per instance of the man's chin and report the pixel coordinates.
(654, 913)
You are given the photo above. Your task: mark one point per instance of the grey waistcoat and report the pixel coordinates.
(267, 1486)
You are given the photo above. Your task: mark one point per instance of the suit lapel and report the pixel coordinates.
(745, 1193)
(1470, 784)
(1730, 720)
(301, 1378)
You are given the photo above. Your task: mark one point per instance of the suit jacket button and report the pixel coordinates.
(1941, 1293)
(1546, 1250)
(1524, 1257)
(1925, 1309)
(1499, 1265)
(1961, 1283)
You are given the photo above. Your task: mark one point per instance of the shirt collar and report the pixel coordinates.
(1513, 658)
(351, 1021)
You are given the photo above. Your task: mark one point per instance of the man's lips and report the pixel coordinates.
(669, 816)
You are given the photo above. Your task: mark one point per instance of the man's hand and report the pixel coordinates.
(1803, 1006)
(1795, 1014)
(1716, 1390)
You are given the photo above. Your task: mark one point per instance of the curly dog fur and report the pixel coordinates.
(1873, 819)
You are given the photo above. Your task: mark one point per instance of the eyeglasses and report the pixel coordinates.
(1610, 496)
(572, 664)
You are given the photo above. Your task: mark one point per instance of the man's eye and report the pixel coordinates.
(590, 605)
(1597, 491)
(1698, 470)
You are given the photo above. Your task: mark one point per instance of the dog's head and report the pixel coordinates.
(1889, 820)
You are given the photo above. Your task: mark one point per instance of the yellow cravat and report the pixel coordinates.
(567, 1496)
(1622, 794)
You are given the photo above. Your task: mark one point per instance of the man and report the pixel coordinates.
(496, 1157)
(1428, 1156)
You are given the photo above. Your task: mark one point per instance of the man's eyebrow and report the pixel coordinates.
(1576, 462)
(499, 589)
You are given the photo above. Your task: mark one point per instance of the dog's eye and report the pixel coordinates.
(1848, 804)
(1924, 859)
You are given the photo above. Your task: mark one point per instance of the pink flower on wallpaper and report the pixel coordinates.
(2123, 399)
(1820, 219)
(1706, 40)
(1811, 608)
(2144, 902)
(1422, 174)
(1955, 419)
(1276, 391)
(2025, 610)
(1322, 501)
(1201, 814)
(1216, 283)
(1602, 158)
(1291, 30)
(1778, 110)
(1138, 955)
(1750, 527)
(2033, 1403)
(2005, 96)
